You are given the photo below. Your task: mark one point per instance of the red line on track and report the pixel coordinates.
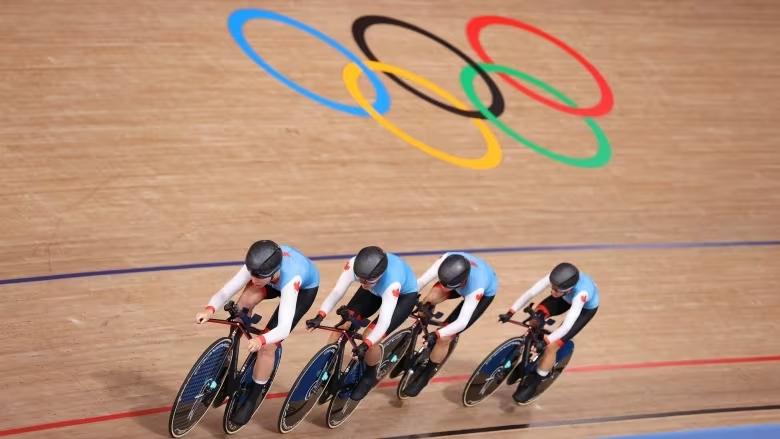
(446, 379)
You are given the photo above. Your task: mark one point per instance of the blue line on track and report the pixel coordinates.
(519, 249)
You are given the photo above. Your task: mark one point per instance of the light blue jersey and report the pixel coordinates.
(481, 275)
(294, 263)
(585, 283)
(397, 271)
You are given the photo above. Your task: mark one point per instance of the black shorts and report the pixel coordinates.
(555, 306)
(366, 304)
(481, 307)
(306, 298)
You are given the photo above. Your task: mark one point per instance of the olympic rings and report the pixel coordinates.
(490, 159)
(475, 26)
(236, 23)
(600, 158)
(361, 25)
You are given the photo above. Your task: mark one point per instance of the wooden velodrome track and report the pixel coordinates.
(138, 134)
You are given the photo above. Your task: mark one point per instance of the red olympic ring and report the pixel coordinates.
(604, 106)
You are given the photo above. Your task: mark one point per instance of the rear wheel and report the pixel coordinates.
(418, 361)
(562, 360)
(342, 406)
(394, 349)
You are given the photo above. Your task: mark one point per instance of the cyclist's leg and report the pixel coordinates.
(551, 351)
(441, 352)
(551, 306)
(443, 344)
(251, 296)
(526, 392)
(403, 307)
(266, 357)
(260, 375)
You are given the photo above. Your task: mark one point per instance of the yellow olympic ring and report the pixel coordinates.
(490, 159)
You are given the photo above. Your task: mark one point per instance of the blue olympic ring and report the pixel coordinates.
(236, 23)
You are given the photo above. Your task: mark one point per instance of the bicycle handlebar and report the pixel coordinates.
(531, 314)
(245, 322)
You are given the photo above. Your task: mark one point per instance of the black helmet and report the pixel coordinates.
(370, 263)
(264, 258)
(454, 269)
(564, 276)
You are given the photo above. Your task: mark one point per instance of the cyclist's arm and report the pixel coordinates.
(389, 300)
(234, 285)
(430, 274)
(345, 280)
(287, 304)
(537, 288)
(577, 302)
(469, 305)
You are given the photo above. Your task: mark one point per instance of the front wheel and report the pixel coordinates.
(492, 371)
(308, 387)
(199, 388)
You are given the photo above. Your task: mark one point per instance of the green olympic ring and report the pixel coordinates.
(600, 158)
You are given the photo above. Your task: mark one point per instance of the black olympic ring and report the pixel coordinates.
(362, 24)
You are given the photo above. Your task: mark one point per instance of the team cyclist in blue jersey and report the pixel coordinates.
(573, 293)
(459, 275)
(387, 285)
(269, 271)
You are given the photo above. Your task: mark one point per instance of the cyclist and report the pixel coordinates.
(573, 293)
(460, 275)
(269, 271)
(387, 285)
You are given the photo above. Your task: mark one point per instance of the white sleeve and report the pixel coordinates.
(389, 300)
(469, 305)
(234, 285)
(345, 280)
(577, 302)
(430, 274)
(537, 288)
(287, 304)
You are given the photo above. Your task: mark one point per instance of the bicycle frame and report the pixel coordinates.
(346, 335)
(420, 326)
(237, 329)
(531, 336)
